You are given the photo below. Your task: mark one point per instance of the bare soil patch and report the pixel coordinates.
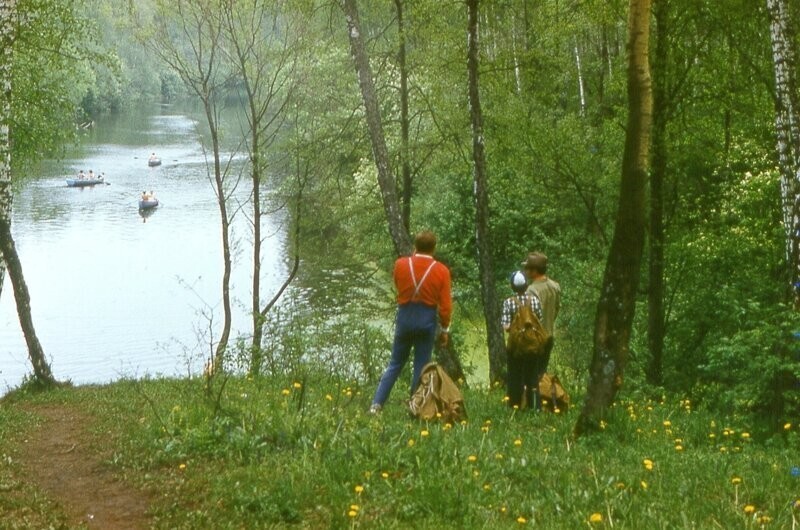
(66, 460)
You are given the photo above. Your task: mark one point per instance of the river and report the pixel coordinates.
(115, 294)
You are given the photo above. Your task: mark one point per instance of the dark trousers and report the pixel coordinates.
(522, 380)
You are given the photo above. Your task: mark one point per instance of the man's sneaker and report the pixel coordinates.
(375, 409)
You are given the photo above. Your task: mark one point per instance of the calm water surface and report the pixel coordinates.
(115, 294)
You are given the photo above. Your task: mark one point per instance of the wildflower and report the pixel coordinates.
(736, 481)
(359, 489)
(521, 520)
(678, 440)
(487, 486)
(787, 426)
(749, 509)
(424, 433)
(602, 424)
(517, 442)
(678, 447)
(329, 397)
(411, 442)
(712, 435)
(505, 399)
(503, 509)
(667, 423)
(745, 435)
(723, 449)
(285, 392)
(644, 485)
(182, 467)
(557, 410)
(297, 385)
(648, 464)
(764, 519)
(596, 517)
(463, 423)
(487, 422)
(498, 456)
(367, 474)
(620, 485)
(447, 426)
(355, 507)
(485, 428)
(796, 504)
(352, 513)
(472, 458)
(384, 475)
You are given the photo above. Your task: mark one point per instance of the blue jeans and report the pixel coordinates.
(415, 326)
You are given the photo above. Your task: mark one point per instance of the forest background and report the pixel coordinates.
(713, 314)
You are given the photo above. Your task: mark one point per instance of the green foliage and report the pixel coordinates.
(756, 371)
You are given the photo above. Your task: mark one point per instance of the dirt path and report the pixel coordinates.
(66, 461)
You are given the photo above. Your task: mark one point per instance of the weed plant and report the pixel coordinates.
(301, 452)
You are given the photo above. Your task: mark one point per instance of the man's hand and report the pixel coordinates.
(444, 339)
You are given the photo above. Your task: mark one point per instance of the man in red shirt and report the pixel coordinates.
(423, 294)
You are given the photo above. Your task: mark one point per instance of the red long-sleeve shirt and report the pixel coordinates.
(435, 289)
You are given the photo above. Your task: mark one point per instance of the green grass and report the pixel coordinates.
(301, 452)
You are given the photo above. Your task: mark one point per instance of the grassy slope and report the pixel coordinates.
(300, 451)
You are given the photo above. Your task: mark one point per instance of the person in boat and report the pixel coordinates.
(81, 175)
(152, 195)
(91, 176)
(145, 196)
(153, 156)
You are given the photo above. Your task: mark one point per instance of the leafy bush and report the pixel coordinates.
(757, 370)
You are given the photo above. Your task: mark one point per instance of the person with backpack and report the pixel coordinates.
(549, 293)
(423, 301)
(524, 367)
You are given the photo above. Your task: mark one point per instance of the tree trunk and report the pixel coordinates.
(405, 160)
(655, 294)
(787, 128)
(8, 251)
(616, 306)
(491, 304)
(397, 230)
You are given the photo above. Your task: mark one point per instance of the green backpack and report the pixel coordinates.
(526, 335)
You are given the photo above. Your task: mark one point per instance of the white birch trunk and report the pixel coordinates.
(581, 91)
(7, 12)
(787, 130)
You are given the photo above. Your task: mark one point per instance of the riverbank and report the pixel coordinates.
(301, 451)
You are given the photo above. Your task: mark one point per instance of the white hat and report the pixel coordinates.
(518, 280)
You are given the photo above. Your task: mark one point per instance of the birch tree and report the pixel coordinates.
(617, 303)
(9, 259)
(787, 133)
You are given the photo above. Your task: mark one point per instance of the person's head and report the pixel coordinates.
(535, 264)
(425, 242)
(518, 282)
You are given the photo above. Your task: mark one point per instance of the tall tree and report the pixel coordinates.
(617, 303)
(188, 38)
(397, 229)
(405, 162)
(8, 252)
(263, 46)
(787, 128)
(491, 303)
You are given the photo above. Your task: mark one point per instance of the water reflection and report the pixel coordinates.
(116, 291)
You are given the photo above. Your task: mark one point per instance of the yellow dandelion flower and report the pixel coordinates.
(352, 513)
(596, 517)
(285, 392)
(517, 442)
(712, 435)
(476, 473)
(439, 415)
(485, 428)
(424, 433)
(487, 486)
(367, 474)
(472, 458)
(498, 456)
(505, 399)
(349, 393)
(678, 447)
(521, 520)
(355, 507)
(736, 480)
(329, 397)
(749, 509)
(182, 467)
(297, 385)
(678, 440)
(516, 407)
(796, 504)
(648, 464)
(359, 489)
(644, 485)
(463, 423)
(503, 509)
(557, 410)
(787, 426)
(410, 442)
(723, 449)
(745, 435)
(620, 485)
(487, 422)
(764, 519)
(603, 425)
(447, 426)
(667, 423)
(384, 475)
